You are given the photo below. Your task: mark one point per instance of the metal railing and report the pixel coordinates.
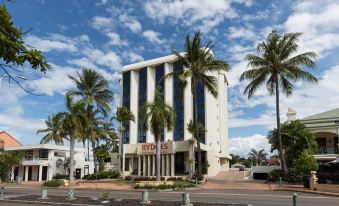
(327, 150)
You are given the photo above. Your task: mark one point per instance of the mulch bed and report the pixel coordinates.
(123, 202)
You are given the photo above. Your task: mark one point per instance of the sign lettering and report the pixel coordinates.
(150, 148)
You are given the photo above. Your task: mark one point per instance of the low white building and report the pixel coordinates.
(43, 161)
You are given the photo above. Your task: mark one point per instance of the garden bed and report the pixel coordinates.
(113, 202)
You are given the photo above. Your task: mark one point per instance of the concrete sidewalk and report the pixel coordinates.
(300, 188)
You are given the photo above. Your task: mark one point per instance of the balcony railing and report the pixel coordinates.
(35, 158)
(327, 150)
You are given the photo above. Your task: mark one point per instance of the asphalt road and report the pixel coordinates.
(254, 197)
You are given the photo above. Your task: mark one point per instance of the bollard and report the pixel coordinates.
(71, 194)
(186, 199)
(295, 196)
(196, 180)
(2, 193)
(43, 193)
(144, 197)
(280, 181)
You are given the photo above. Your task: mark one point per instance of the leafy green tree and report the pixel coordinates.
(94, 90)
(110, 136)
(278, 68)
(296, 139)
(303, 167)
(199, 64)
(102, 154)
(53, 124)
(157, 115)
(257, 156)
(7, 162)
(14, 53)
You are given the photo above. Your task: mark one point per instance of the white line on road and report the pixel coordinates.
(258, 195)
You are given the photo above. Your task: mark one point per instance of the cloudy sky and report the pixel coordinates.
(105, 35)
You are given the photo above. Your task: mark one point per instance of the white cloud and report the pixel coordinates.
(152, 36)
(115, 39)
(240, 33)
(102, 23)
(47, 45)
(109, 59)
(130, 22)
(267, 120)
(133, 57)
(318, 23)
(55, 81)
(243, 145)
(206, 13)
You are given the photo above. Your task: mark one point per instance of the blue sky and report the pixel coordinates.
(105, 35)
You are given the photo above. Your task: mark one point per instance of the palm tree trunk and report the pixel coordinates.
(94, 156)
(281, 152)
(157, 145)
(87, 149)
(195, 132)
(71, 153)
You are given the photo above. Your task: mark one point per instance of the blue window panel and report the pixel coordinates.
(142, 99)
(159, 82)
(200, 95)
(126, 83)
(178, 105)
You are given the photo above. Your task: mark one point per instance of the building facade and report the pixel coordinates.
(325, 127)
(178, 147)
(41, 162)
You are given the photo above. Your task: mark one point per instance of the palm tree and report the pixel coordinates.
(92, 88)
(257, 156)
(71, 121)
(157, 116)
(276, 68)
(199, 63)
(53, 130)
(123, 115)
(109, 135)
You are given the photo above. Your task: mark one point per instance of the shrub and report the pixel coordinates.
(274, 175)
(128, 178)
(197, 176)
(58, 176)
(303, 166)
(175, 179)
(53, 183)
(110, 174)
(105, 195)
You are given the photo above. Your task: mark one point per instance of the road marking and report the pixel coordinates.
(257, 195)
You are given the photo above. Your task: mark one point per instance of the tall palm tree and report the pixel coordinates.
(123, 115)
(277, 67)
(199, 64)
(93, 88)
(53, 124)
(257, 156)
(70, 122)
(157, 115)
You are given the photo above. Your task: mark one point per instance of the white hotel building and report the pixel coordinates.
(178, 151)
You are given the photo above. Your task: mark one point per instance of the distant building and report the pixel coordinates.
(6, 140)
(138, 84)
(325, 127)
(43, 161)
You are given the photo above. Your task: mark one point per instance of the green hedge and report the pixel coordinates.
(274, 175)
(110, 174)
(58, 176)
(53, 183)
